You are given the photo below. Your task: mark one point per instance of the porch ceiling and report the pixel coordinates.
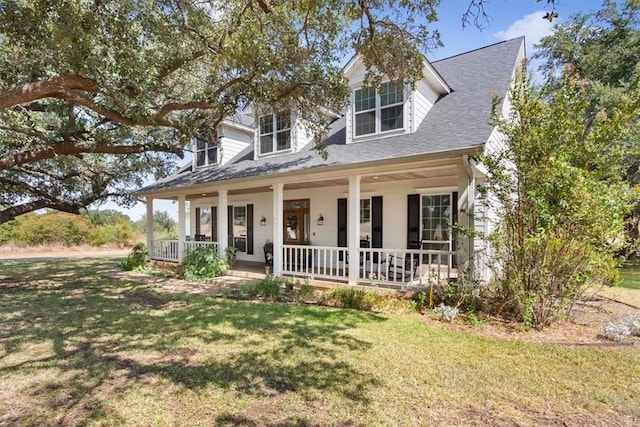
(438, 172)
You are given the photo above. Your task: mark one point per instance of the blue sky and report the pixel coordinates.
(507, 19)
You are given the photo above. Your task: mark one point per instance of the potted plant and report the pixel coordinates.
(268, 253)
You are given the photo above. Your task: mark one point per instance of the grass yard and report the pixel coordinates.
(79, 348)
(630, 275)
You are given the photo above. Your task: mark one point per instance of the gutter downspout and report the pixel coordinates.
(471, 188)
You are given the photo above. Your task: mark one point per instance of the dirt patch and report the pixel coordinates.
(583, 329)
(74, 252)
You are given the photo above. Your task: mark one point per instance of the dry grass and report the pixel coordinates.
(79, 348)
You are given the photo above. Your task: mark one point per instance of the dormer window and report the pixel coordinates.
(379, 112)
(275, 132)
(206, 153)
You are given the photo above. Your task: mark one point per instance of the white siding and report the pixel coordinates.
(423, 99)
(233, 142)
(324, 201)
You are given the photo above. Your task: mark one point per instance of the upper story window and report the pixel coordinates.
(206, 153)
(275, 132)
(379, 111)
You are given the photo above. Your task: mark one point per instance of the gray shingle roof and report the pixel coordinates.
(457, 121)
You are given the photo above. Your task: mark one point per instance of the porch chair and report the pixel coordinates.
(402, 267)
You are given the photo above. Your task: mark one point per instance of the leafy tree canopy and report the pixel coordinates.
(94, 95)
(603, 48)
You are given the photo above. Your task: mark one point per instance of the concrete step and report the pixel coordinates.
(245, 274)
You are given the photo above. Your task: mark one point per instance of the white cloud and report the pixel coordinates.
(532, 26)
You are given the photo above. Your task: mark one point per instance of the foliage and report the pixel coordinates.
(561, 194)
(347, 298)
(603, 48)
(164, 226)
(202, 262)
(109, 228)
(268, 288)
(96, 96)
(304, 292)
(7, 229)
(137, 259)
(120, 233)
(462, 293)
(53, 228)
(232, 253)
(445, 312)
(106, 216)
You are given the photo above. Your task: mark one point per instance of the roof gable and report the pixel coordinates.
(355, 70)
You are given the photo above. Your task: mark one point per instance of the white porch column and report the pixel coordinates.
(278, 204)
(223, 222)
(466, 201)
(150, 226)
(182, 215)
(353, 225)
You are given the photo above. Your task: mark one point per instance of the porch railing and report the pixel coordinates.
(375, 266)
(315, 261)
(412, 267)
(167, 249)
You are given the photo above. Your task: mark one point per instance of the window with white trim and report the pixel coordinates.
(275, 132)
(206, 153)
(378, 112)
(240, 227)
(436, 222)
(203, 222)
(365, 219)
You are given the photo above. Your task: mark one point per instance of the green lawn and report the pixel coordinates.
(630, 275)
(78, 348)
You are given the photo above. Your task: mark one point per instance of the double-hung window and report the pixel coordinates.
(365, 219)
(379, 111)
(206, 153)
(240, 227)
(275, 132)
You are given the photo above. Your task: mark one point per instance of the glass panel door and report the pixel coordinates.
(296, 222)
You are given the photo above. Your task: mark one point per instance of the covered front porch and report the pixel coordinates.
(375, 226)
(373, 267)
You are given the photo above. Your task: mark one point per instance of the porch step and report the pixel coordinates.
(245, 274)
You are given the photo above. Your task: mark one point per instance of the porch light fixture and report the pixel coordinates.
(263, 221)
(320, 220)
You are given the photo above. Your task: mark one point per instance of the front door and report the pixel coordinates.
(296, 222)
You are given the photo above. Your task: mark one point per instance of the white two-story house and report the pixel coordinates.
(400, 171)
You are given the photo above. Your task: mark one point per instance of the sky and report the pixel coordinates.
(507, 19)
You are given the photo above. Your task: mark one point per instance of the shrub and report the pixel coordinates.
(347, 298)
(53, 228)
(137, 259)
(269, 288)
(119, 233)
(304, 293)
(557, 189)
(232, 253)
(202, 262)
